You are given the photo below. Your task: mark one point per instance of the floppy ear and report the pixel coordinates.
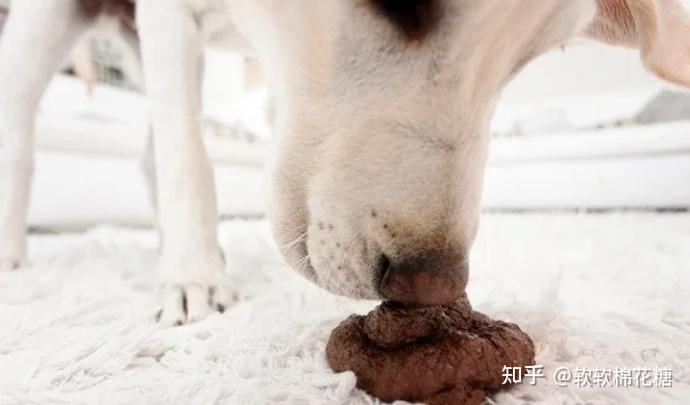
(659, 28)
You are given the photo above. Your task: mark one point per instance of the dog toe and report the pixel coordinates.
(189, 303)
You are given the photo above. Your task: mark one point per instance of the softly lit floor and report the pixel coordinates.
(596, 291)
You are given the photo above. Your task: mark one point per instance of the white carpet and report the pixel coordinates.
(593, 291)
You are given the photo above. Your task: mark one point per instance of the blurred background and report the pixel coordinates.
(584, 241)
(584, 127)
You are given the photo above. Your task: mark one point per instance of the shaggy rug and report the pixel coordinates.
(594, 291)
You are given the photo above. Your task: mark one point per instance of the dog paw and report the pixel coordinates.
(188, 303)
(9, 264)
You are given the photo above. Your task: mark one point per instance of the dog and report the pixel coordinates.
(382, 108)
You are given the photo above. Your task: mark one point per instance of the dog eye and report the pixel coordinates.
(413, 18)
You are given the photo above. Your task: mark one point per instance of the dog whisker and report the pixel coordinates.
(286, 247)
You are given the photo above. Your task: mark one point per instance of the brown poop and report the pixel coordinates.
(437, 355)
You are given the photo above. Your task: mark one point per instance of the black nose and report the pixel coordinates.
(434, 278)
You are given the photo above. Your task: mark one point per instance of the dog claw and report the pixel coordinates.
(189, 303)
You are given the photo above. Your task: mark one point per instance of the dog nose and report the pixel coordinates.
(423, 279)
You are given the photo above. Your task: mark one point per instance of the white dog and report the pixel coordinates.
(383, 108)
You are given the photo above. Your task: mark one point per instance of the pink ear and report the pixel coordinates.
(668, 53)
(659, 28)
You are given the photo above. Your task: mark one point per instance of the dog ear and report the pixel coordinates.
(659, 28)
(413, 18)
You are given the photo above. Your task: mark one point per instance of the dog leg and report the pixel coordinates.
(36, 39)
(191, 263)
(148, 170)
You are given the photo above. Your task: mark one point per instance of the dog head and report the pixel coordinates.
(383, 112)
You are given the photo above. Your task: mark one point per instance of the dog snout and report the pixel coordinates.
(423, 279)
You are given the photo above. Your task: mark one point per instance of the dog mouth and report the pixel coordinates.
(382, 267)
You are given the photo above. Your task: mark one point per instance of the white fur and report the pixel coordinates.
(29, 58)
(370, 125)
(190, 260)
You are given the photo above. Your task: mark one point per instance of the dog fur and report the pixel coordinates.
(382, 108)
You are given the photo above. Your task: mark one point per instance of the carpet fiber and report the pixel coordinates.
(601, 291)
